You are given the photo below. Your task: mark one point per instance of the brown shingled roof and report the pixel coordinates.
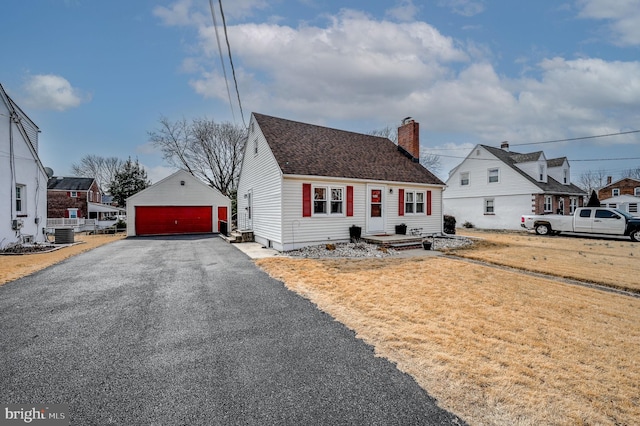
(307, 149)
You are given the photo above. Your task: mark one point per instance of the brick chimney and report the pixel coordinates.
(609, 178)
(409, 138)
(505, 145)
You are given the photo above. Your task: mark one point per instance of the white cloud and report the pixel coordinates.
(623, 17)
(463, 7)
(157, 173)
(404, 11)
(376, 71)
(50, 91)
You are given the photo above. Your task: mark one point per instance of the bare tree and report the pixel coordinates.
(429, 161)
(208, 150)
(632, 173)
(102, 169)
(593, 180)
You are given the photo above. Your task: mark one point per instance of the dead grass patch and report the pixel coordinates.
(14, 267)
(608, 262)
(493, 346)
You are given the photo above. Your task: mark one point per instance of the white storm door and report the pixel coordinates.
(375, 209)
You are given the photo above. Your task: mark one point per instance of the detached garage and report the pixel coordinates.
(178, 204)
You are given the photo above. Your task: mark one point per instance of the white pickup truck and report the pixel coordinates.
(590, 220)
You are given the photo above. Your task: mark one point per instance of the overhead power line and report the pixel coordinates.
(233, 70)
(224, 70)
(546, 142)
(576, 139)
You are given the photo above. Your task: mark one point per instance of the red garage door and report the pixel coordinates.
(157, 220)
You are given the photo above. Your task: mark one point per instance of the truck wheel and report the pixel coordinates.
(635, 235)
(543, 229)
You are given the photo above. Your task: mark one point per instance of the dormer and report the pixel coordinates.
(534, 164)
(558, 169)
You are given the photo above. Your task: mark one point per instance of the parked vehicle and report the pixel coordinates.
(590, 220)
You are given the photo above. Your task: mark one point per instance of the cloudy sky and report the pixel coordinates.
(96, 76)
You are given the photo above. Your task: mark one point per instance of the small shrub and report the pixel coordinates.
(468, 224)
(449, 224)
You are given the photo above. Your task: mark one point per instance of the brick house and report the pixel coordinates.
(626, 186)
(71, 197)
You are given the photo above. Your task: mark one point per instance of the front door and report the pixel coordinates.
(375, 210)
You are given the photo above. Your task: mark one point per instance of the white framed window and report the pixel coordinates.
(541, 174)
(636, 191)
(489, 206)
(73, 213)
(464, 178)
(414, 202)
(328, 200)
(615, 192)
(21, 199)
(494, 175)
(255, 147)
(336, 200)
(548, 203)
(565, 176)
(573, 204)
(73, 194)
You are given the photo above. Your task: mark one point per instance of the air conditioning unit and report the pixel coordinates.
(16, 224)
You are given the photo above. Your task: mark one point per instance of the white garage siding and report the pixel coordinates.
(172, 192)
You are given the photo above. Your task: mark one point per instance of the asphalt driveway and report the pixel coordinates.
(186, 330)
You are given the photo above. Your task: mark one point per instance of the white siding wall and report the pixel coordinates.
(169, 192)
(27, 172)
(512, 194)
(558, 173)
(261, 176)
(299, 231)
(508, 211)
(533, 169)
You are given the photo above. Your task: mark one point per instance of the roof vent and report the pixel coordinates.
(505, 145)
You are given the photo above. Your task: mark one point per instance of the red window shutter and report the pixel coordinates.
(306, 200)
(349, 200)
(401, 202)
(428, 203)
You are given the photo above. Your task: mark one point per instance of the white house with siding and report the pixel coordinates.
(23, 180)
(493, 187)
(302, 184)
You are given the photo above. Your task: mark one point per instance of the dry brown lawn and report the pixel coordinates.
(496, 347)
(612, 263)
(16, 266)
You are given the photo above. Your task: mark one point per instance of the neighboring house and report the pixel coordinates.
(626, 186)
(22, 177)
(493, 187)
(73, 197)
(627, 203)
(302, 184)
(178, 204)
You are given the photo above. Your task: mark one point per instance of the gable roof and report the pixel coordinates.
(311, 150)
(69, 183)
(552, 186)
(616, 183)
(556, 162)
